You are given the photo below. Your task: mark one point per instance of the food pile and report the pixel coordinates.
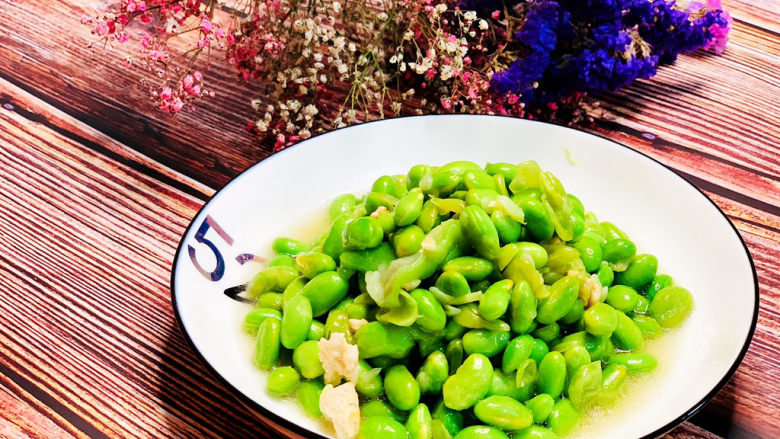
(459, 301)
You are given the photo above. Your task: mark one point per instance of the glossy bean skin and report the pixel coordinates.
(611, 231)
(642, 305)
(478, 180)
(518, 350)
(502, 384)
(369, 383)
(429, 217)
(585, 384)
(268, 343)
(536, 432)
(282, 261)
(540, 406)
(433, 373)
(409, 208)
(536, 251)
(622, 298)
(451, 419)
(563, 294)
(600, 319)
(470, 383)
(408, 240)
(416, 173)
(627, 335)
(480, 231)
(618, 250)
(377, 339)
(271, 279)
(255, 318)
(312, 264)
(378, 407)
(605, 274)
(671, 306)
(325, 291)
(472, 268)
(551, 374)
(590, 253)
(362, 233)
(635, 362)
(547, 333)
(454, 354)
(341, 204)
(641, 271)
(503, 412)
(306, 358)
(481, 432)
(418, 425)
(290, 247)
(563, 417)
(495, 301)
(316, 330)
(508, 229)
(381, 427)
(538, 222)
(333, 245)
(439, 431)
(453, 283)
(575, 314)
(575, 357)
(270, 300)
(338, 321)
(508, 170)
(282, 381)
(612, 379)
(649, 326)
(401, 388)
(523, 308)
(485, 342)
(659, 282)
(367, 260)
(384, 184)
(453, 330)
(296, 321)
(525, 380)
(308, 394)
(539, 350)
(431, 315)
(293, 289)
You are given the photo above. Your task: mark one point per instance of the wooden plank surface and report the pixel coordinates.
(89, 265)
(89, 328)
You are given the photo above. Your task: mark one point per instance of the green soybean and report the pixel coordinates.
(502, 384)
(495, 301)
(525, 380)
(255, 318)
(618, 250)
(454, 353)
(469, 384)
(611, 231)
(612, 379)
(503, 412)
(523, 308)
(536, 432)
(453, 283)
(605, 274)
(378, 407)
(563, 417)
(485, 342)
(481, 432)
(333, 245)
(341, 204)
(408, 240)
(268, 344)
(433, 373)
(409, 208)
(575, 314)
(635, 362)
(540, 406)
(518, 350)
(416, 173)
(576, 357)
(547, 333)
(312, 264)
(362, 233)
(401, 388)
(659, 282)
(282, 381)
(308, 394)
(418, 425)
(381, 427)
(537, 252)
(431, 315)
(642, 305)
(316, 330)
(539, 350)
(508, 170)
(600, 319)
(671, 306)
(551, 374)
(271, 279)
(324, 291)
(439, 430)
(622, 298)
(306, 358)
(537, 220)
(649, 326)
(480, 231)
(641, 271)
(472, 268)
(590, 253)
(290, 247)
(451, 419)
(429, 217)
(296, 321)
(585, 384)
(627, 335)
(508, 229)
(376, 339)
(563, 294)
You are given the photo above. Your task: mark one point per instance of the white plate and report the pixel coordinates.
(660, 211)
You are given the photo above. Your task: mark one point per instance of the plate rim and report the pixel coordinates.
(254, 406)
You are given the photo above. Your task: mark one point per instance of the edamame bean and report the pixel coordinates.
(551, 374)
(563, 294)
(271, 279)
(416, 173)
(470, 383)
(306, 358)
(296, 321)
(312, 264)
(539, 350)
(590, 253)
(585, 384)
(525, 379)
(268, 343)
(376, 339)
(362, 233)
(409, 208)
(431, 315)
(611, 231)
(369, 259)
(563, 417)
(478, 180)
(408, 240)
(502, 384)
(341, 204)
(381, 427)
(270, 300)
(334, 242)
(439, 430)
(485, 342)
(472, 268)
(288, 246)
(627, 335)
(429, 217)
(324, 291)
(523, 308)
(282, 381)
(575, 314)
(384, 184)
(648, 325)
(255, 318)
(369, 383)
(600, 319)
(537, 252)
(433, 373)
(540, 406)
(508, 229)
(481, 432)
(508, 170)
(605, 274)
(316, 330)
(454, 353)
(503, 412)
(401, 388)
(547, 333)
(536, 432)
(308, 394)
(282, 261)
(418, 425)
(378, 407)
(642, 305)
(451, 419)
(494, 302)
(480, 231)
(453, 330)
(659, 283)
(641, 270)
(622, 298)
(453, 283)
(293, 289)
(537, 220)
(671, 306)
(618, 250)
(612, 379)
(635, 362)
(516, 353)
(338, 321)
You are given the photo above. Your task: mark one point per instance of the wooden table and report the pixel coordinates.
(96, 188)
